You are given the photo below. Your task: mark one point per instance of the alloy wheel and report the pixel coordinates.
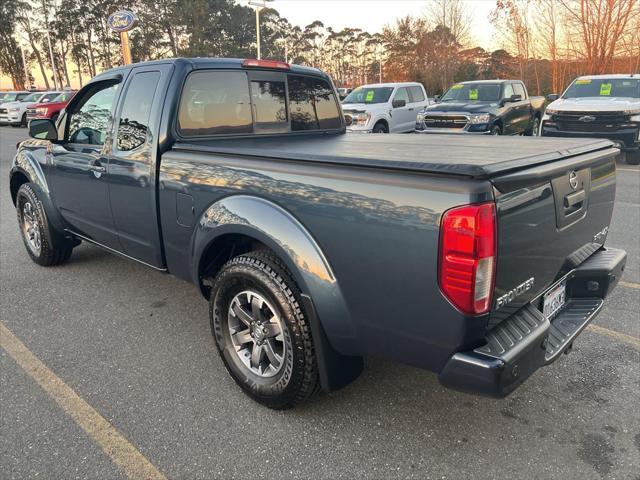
(31, 228)
(256, 332)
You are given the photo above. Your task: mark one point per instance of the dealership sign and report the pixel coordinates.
(121, 21)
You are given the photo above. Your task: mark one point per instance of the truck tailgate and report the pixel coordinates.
(551, 218)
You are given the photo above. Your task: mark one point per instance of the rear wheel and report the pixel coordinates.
(36, 231)
(54, 117)
(261, 331)
(380, 127)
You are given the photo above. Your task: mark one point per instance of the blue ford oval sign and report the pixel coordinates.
(121, 21)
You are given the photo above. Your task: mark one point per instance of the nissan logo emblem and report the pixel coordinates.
(573, 179)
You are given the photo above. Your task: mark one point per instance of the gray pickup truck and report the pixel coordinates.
(479, 259)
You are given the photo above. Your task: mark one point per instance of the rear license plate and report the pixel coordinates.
(554, 301)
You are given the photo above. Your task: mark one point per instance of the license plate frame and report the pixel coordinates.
(554, 300)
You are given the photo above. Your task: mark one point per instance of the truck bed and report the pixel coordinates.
(467, 155)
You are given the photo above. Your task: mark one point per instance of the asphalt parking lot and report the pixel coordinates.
(134, 347)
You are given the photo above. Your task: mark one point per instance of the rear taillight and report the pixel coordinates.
(252, 62)
(467, 261)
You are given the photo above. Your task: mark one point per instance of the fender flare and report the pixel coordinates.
(267, 222)
(25, 164)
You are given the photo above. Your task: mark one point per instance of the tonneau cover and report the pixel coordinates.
(469, 155)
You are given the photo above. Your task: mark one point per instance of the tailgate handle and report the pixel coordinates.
(574, 198)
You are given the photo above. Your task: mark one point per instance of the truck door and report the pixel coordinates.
(77, 165)
(523, 107)
(132, 164)
(510, 117)
(403, 118)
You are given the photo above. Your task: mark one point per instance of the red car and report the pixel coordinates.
(50, 109)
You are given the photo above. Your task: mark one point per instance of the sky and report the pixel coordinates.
(369, 15)
(373, 15)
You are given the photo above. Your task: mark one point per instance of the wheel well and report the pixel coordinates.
(17, 180)
(383, 121)
(221, 250)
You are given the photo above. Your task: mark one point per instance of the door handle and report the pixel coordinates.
(574, 198)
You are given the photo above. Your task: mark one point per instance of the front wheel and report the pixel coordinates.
(262, 332)
(35, 229)
(380, 128)
(496, 130)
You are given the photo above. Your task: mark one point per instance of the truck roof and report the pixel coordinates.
(611, 75)
(498, 80)
(391, 84)
(468, 155)
(209, 62)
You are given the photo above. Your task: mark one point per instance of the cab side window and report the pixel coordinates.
(402, 94)
(508, 91)
(90, 118)
(518, 89)
(416, 94)
(133, 126)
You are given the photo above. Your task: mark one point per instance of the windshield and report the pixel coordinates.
(63, 97)
(369, 95)
(9, 97)
(49, 97)
(473, 92)
(604, 87)
(34, 97)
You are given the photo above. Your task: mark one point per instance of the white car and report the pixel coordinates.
(15, 113)
(384, 107)
(604, 106)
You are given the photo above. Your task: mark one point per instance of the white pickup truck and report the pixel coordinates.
(14, 113)
(384, 107)
(603, 106)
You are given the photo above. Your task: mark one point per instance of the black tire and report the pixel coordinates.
(533, 131)
(23, 120)
(46, 255)
(632, 158)
(496, 130)
(54, 117)
(380, 127)
(264, 274)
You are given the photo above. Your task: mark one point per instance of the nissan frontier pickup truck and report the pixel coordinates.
(315, 248)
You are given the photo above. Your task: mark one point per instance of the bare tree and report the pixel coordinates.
(512, 18)
(455, 19)
(602, 27)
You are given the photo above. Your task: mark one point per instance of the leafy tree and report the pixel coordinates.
(10, 55)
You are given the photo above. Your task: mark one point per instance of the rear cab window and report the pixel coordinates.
(237, 102)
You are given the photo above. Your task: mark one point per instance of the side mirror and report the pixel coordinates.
(552, 97)
(398, 103)
(43, 129)
(436, 98)
(515, 98)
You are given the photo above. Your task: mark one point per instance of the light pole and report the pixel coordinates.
(26, 72)
(259, 5)
(53, 62)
